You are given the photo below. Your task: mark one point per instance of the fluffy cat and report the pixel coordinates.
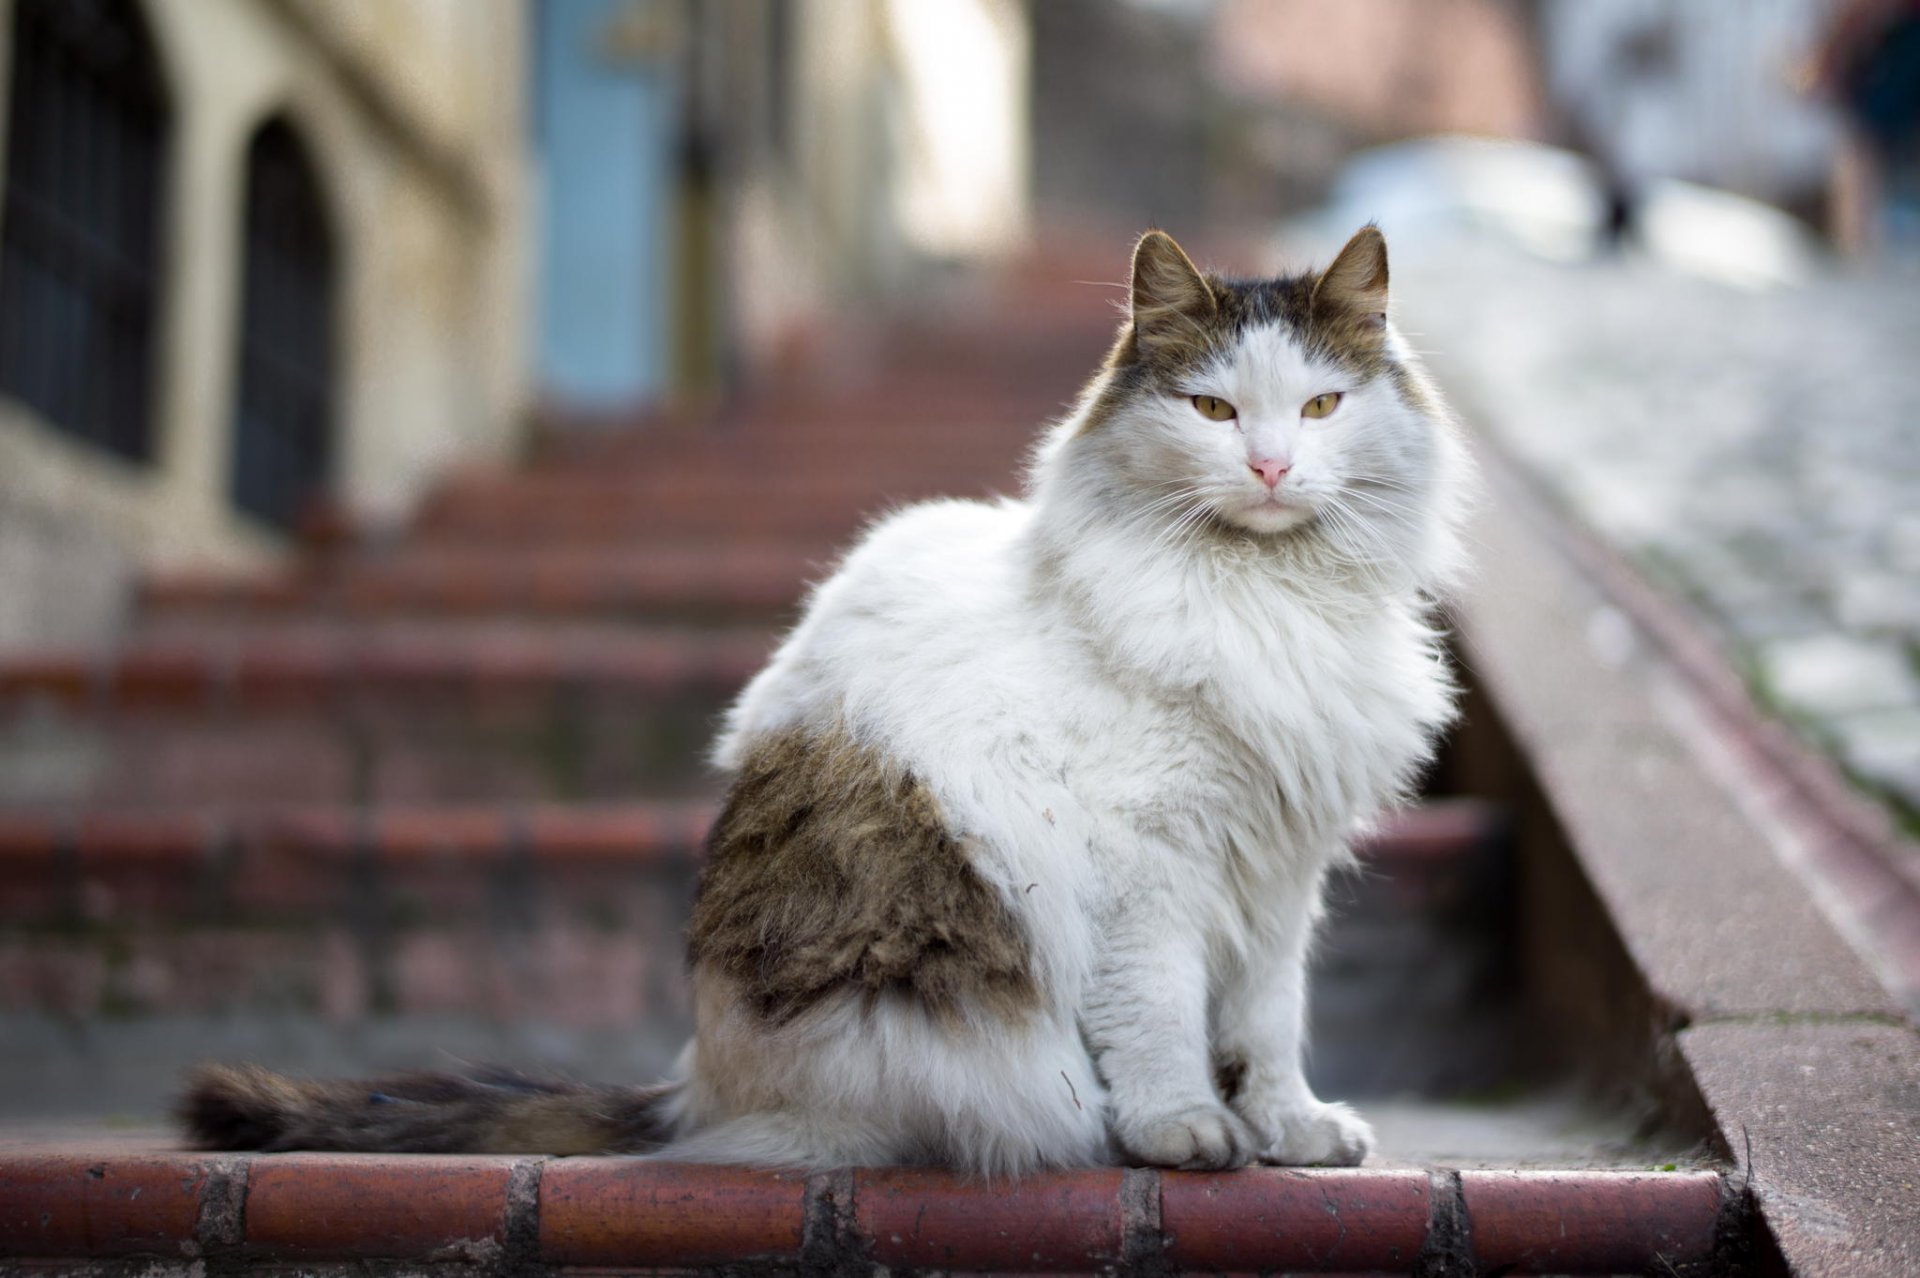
(1030, 814)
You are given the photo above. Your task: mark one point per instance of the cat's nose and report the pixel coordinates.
(1270, 469)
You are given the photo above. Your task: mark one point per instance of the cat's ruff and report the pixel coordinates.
(1033, 808)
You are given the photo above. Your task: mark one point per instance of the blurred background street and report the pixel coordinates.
(418, 416)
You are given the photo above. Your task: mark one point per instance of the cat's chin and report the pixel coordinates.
(1266, 516)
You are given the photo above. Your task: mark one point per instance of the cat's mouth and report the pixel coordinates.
(1270, 512)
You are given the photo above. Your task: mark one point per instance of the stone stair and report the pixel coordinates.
(445, 791)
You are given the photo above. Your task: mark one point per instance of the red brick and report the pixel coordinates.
(1265, 1218)
(630, 833)
(296, 861)
(377, 1206)
(157, 678)
(31, 883)
(285, 674)
(628, 1213)
(1063, 1221)
(62, 677)
(440, 858)
(439, 834)
(1591, 1222)
(166, 839)
(142, 864)
(64, 1205)
(29, 839)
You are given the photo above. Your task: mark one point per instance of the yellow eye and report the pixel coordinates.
(1214, 409)
(1321, 405)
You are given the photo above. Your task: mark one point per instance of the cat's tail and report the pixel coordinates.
(245, 1107)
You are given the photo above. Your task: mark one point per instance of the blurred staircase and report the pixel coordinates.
(451, 786)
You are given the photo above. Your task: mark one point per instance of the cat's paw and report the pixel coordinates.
(1323, 1134)
(1200, 1138)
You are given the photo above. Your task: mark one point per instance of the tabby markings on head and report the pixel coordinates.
(1182, 318)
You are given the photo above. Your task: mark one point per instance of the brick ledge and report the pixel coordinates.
(166, 1212)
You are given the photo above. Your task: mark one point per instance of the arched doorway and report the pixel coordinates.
(284, 410)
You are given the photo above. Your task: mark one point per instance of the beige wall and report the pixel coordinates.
(412, 111)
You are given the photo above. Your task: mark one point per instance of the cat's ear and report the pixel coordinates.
(1357, 281)
(1171, 299)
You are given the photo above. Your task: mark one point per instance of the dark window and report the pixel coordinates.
(283, 422)
(86, 141)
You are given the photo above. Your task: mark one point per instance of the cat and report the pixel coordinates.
(1031, 813)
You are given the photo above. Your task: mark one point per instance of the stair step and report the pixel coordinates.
(716, 514)
(167, 865)
(359, 717)
(679, 583)
(102, 1199)
(519, 913)
(319, 664)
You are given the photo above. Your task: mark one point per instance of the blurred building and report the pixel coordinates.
(252, 252)
(267, 259)
(717, 174)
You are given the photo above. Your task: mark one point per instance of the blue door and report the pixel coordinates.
(606, 97)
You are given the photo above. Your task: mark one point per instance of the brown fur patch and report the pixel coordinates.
(245, 1107)
(1331, 313)
(832, 870)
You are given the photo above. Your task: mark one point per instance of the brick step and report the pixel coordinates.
(163, 865)
(320, 631)
(574, 525)
(682, 583)
(364, 718)
(574, 914)
(138, 1204)
(715, 510)
(970, 403)
(738, 482)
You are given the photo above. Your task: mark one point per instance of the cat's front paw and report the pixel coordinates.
(1200, 1138)
(1320, 1133)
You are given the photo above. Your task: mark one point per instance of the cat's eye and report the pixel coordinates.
(1321, 405)
(1214, 409)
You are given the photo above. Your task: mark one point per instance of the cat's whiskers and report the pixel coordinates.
(1354, 540)
(1176, 534)
(1403, 512)
(1372, 480)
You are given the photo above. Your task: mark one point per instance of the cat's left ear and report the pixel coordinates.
(1357, 281)
(1172, 301)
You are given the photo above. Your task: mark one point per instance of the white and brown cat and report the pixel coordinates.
(1031, 813)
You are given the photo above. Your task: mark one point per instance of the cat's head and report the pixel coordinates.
(1287, 408)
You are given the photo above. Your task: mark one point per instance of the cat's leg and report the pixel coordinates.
(1145, 1020)
(1260, 1042)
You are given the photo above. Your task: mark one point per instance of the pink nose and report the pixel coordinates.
(1270, 469)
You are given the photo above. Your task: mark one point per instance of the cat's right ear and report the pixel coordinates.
(1171, 299)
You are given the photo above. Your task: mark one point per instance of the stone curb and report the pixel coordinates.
(598, 1213)
(1712, 849)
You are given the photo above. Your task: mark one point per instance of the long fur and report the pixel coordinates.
(1127, 725)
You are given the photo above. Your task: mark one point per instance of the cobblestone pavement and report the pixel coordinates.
(1757, 452)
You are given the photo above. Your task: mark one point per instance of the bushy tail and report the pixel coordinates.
(245, 1107)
